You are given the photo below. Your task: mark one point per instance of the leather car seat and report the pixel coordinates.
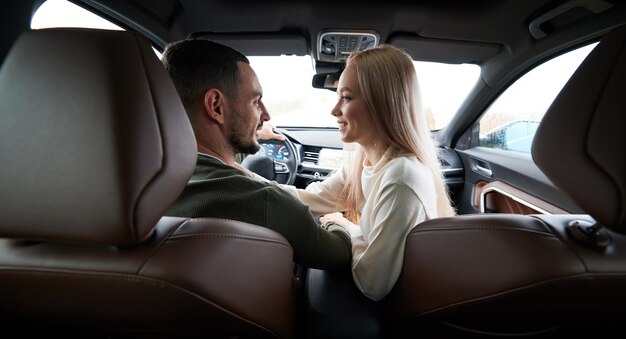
(506, 274)
(95, 145)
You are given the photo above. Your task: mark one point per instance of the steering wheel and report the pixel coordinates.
(283, 170)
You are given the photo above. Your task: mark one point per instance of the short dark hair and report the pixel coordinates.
(196, 66)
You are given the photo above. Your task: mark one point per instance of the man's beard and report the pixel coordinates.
(241, 143)
(239, 146)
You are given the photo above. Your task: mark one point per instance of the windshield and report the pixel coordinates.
(293, 102)
(287, 91)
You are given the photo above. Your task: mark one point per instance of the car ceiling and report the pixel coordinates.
(490, 33)
(493, 34)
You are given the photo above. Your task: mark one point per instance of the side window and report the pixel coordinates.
(512, 120)
(62, 13)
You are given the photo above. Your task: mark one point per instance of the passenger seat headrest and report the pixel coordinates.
(581, 142)
(94, 141)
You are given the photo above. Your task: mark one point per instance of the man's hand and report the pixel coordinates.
(267, 132)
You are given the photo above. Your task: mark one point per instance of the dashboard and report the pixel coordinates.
(275, 149)
(311, 154)
(315, 153)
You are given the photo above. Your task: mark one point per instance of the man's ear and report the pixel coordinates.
(214, 105)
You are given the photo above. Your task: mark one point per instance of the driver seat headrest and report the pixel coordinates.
(95, 146)
(96, 135)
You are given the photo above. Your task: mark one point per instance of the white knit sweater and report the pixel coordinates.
(400, 193)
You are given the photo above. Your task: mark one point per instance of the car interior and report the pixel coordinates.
(95, 145)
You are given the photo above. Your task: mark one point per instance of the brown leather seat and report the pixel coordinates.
(543, 274)
(94, 147)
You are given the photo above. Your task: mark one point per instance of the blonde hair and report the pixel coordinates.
(391, 93)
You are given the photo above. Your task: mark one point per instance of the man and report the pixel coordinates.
(223, 98)
(266, 132)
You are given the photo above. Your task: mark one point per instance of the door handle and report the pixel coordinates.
(483, 170)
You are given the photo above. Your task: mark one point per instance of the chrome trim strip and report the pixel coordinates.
(483, 200)
(452, 171)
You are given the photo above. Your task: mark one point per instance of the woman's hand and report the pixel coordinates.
(337, 218)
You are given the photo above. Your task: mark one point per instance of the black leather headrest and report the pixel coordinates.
(581, 142)
(94, 141)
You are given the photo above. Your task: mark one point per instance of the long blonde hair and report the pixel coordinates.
(391, 93)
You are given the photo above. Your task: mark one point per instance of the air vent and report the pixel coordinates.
(312, 154)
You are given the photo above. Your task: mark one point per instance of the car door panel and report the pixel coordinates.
(497, 181)
(499, 197)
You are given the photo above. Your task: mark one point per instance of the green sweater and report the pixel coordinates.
(220, 191)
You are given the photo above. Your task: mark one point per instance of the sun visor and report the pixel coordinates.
(444, 50)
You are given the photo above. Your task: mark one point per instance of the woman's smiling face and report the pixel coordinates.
(355, 124)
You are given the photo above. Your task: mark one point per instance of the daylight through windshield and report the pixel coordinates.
(292, 101)
(286, 80)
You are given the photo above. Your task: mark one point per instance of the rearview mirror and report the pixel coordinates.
(327, 81)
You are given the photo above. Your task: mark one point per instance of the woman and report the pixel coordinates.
(391, 180)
